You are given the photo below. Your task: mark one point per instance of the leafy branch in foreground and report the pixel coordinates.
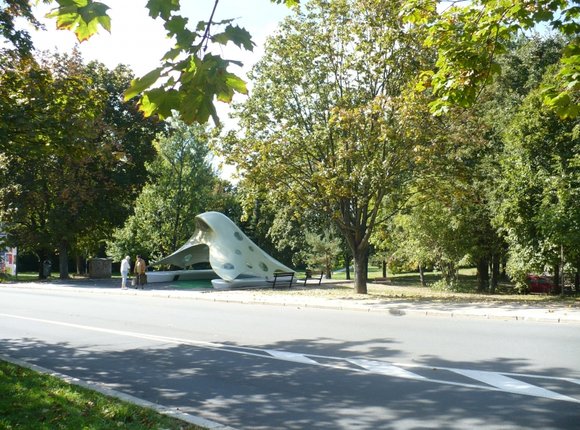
(190, 76)
(470, 37)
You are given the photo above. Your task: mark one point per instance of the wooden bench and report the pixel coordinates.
(282, 280)
(312, 278)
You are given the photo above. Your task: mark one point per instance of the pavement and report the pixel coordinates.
(550, 312)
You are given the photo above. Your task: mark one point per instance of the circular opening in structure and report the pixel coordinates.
(238, 235)
(263, 266)
(237, 251)
(228, 266)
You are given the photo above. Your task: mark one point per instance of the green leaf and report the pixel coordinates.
(160, 102)
(176, 25)
(197, 107)
(162, 8)
(239, 36)
(81, 16)
(141, 84)
(236, 83)
(171, 54)
(289, 3)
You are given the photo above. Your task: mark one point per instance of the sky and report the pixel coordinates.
(140, 42)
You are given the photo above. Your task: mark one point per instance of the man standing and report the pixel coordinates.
(125, 268)
(140, 272)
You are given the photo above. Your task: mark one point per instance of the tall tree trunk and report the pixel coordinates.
(577, 276)
(361, 260)
(79, 264)
(556, 280)
(385, 269)
(483, 274)
(503, 272)
(347, 265)
(328, 269)
(562, 266)
(40, 256)
(494, 272)
(422, 275)
(63, 259)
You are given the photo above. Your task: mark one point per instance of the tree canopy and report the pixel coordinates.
(471, 36)
(67, 149)
(182, 185)
(322, 125)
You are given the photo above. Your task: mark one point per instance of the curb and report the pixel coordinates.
(561, 317)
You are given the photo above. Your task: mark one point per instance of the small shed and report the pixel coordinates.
(100, 268)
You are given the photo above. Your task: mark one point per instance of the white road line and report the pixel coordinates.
(525, 375)
(291, 356)
(384, 368)
(511, 385)
(495, 381)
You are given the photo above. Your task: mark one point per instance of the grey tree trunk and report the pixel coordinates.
(63, 259)
(483, 274)
(361, 260)
(347, 266)
(494, 272)
(422, 275)
(577, 276)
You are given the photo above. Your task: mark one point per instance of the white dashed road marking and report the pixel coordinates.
(510, 385)
(493, 381)
(384, 368)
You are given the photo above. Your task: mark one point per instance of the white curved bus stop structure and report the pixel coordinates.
(235, 260)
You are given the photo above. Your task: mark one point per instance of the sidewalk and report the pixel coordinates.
(539, 312)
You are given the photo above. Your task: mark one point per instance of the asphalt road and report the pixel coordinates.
(288, 367)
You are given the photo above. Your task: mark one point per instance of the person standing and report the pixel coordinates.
(140, 272)
(125, 268)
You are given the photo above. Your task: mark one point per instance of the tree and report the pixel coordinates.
(322, 251)
(190, 76)
(19, 40)
(471, 37)
(183, 184)
(539, 212)
(322, 129)
(65, 157)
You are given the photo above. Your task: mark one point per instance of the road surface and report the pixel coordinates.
(273, 367)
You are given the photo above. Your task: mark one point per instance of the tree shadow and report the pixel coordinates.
(245, 388)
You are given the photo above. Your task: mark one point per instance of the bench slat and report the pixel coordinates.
(283, 280)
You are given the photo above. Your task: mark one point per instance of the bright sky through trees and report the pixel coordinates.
(139, 41)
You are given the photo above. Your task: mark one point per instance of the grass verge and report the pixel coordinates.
(35, 401)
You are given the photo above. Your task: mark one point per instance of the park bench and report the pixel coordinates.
(282, 280)
(312, 278)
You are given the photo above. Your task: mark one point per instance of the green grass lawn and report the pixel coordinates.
(31, 400)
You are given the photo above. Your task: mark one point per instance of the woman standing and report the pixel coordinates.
(125, 268)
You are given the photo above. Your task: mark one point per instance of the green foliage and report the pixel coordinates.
(69, 144)
(323, 123)
(541, 187)
(472, 36)
(83, 17)
(322, 251)
(183, 185)
(17, 39)
(190, 77)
